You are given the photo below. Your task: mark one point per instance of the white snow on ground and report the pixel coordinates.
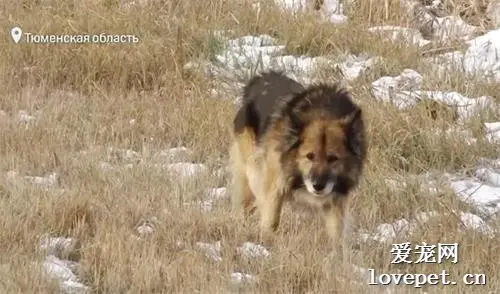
(252, 250)
(24, 117)
(482, 190)
(453, 28)
(445, 63)
(186, 169)
(474, 222)
(173, 155)
(403, 227)
(354, 66)
(400, 34)
(60, 270)
(332, 9)
(404, 91)
(58, 246)
(57, 267)
(493, 132)
(484, 196)
(212, 197)
(126, 155)
(238, 278)
(244, 55)
(396, 89)
(483, 56)
(212, 251)
(170, 160)
(45, 182)
(387, 232)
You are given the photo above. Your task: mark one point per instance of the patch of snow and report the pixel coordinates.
(483, 196)
(466, 107)
(252, 41)
(61, 270)
(24, 117)
(127, 155)
(213, 196)
(464, 134)
(297, 64)
(238, 278)
(428, 185)
(105, 166)
(338, 18)
(493, 132)
(447, 62)
(212, 251)
(48, 181)
(173, 155)
(72, 287)
(186, 169)
(489, 176)
(354, 66)
(387, 232)
(246, 55)
(404, 91)
(400, 34)
(60, 247)
(453, 28)
(252, 250)
(482, 57)
(292, 5)
(331, 9)
(474, 222)
(391, 89)
(217, 193)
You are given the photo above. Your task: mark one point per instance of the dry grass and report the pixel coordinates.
(86, 95)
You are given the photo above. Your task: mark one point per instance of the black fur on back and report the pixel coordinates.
(334, 100)
(260, 98)
(273, 96)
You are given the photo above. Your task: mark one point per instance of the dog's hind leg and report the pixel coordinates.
(242, 197)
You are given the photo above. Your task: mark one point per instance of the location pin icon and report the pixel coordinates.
(16, 34)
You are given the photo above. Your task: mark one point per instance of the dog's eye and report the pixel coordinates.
(310, 156)
(331, 158)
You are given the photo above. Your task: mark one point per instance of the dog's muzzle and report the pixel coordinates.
(322, 185)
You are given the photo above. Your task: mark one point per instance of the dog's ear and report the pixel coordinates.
(291, 138)
(355, 133)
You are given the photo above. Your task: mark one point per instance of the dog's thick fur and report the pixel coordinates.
(296, 143)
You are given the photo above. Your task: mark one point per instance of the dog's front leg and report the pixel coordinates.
(271, 212)
(334, 213)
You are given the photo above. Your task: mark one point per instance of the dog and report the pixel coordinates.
(292, 143)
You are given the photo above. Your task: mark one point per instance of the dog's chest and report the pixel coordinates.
(302, 196)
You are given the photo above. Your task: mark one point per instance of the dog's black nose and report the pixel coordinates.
(320, 185)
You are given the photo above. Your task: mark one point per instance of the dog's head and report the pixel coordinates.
(328, 140)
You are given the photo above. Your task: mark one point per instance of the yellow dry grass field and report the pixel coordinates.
(70, 112)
